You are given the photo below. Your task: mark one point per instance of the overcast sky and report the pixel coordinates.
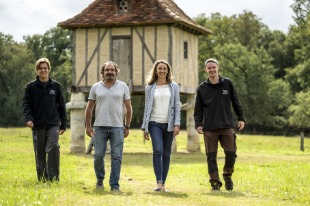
(28, 17)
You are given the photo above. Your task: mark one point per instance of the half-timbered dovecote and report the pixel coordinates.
(134, 34)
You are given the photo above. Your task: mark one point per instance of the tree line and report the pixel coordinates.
(270, 69)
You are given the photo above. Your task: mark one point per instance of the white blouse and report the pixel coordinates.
(161, 103)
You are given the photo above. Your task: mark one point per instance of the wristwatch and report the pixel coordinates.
(126, 127)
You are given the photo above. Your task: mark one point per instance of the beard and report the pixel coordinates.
(110, 77)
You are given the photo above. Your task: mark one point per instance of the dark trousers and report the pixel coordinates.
(46, 149)
(227, 139)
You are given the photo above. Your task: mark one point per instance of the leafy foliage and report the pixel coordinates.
(301, 9)
(15, 72)
(299, 77)
(300, 110)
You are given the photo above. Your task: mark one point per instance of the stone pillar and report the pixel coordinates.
(193, 142)
(77, 122)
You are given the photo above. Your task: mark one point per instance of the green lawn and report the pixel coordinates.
(269, 170)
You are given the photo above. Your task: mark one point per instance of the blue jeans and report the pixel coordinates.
(101, 137)
(161, 142)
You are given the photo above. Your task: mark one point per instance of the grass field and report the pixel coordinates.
(269, 170)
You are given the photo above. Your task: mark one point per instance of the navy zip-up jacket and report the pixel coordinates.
(213, 105)
(44, 104)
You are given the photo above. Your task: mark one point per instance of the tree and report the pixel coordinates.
(16, 69)
(280, 98)
(279, 49)
(247, 29)
(301, 9)
(34, 44)
(300, 110)
(300, 114)
(298, 75)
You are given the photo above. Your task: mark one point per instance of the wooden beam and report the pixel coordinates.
(144, 45)
(92, 56)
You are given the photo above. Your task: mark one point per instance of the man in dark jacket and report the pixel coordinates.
(213, 119)
(45, 113)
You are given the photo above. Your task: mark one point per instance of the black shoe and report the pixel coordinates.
(99, 184)
(115, 189)
(216, 185)
(53, 179)
(229, 185)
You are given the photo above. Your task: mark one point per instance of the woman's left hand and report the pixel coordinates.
(146, 135)
(176, 130)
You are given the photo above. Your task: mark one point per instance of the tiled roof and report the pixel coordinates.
(103, 13)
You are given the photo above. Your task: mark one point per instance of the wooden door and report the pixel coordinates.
(121, 54)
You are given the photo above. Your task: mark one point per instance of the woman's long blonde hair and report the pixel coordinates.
(152, 76)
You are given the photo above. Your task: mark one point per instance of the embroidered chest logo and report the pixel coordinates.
(52, 92)
(225, 92)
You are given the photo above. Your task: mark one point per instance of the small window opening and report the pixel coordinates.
(123, 5)
(185, 50)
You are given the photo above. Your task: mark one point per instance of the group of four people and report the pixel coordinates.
(45, 112)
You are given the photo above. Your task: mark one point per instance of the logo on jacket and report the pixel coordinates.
(52, 92)
(225, 92)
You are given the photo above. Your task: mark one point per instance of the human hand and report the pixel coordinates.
(61, 131)
(90, 132)
(199, 130)
(29, 124)
(176, 130)
(241, 125)
(146, 136)
(126, 132)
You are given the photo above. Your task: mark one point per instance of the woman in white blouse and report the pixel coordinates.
(161, 118)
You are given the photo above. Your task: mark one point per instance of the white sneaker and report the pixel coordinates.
(158, 187)
(163, 189)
